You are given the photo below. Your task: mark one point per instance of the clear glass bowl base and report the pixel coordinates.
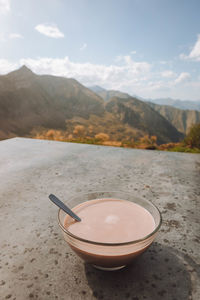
(109, 269)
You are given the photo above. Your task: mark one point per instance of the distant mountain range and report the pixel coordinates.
(182, 104)
(181, 118)
(29, 101)
(107, 95)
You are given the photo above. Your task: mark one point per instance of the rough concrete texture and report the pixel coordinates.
(35, 261)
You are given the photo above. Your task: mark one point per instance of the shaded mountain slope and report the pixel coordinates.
(181, 119)
(28, 100)
(141, 116)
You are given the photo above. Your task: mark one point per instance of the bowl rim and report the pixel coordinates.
(110, 244)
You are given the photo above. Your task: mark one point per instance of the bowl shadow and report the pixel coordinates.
(160, 273)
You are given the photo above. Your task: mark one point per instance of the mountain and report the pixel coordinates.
(108, 94)
(96, 89)
(181, 104)
(181, 119)
(28, 100)
(140, 115)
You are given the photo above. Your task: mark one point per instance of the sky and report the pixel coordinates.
(148, 48)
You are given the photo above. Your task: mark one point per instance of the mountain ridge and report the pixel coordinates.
(28, 101)
(43, 100)
(181, 104)
(141, 116)
(108, 94)
(181, 119)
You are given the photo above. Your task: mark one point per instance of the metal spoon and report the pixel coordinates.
(64, 207)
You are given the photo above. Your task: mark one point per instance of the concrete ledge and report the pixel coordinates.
(35, 261)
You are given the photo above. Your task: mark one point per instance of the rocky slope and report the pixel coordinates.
(181, 119)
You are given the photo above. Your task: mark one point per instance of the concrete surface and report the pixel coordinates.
(35, 261)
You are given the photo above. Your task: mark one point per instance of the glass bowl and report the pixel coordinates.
(109, 256)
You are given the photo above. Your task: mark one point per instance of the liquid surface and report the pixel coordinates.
(110, 221)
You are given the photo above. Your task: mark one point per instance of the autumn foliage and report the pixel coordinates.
(193, 137)
(88, 134)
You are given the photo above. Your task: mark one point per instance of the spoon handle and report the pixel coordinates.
(60, 204)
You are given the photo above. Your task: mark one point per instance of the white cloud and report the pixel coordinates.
(50, 30)
(6, 66)
(182, 77)
(133, 66)
(83, 47)
(4, 6)
(168, 74)
(15, 36)
(128, 74)
(194, 53)
(5, 37)
(135, 78)
(158, 85)
(133, 52)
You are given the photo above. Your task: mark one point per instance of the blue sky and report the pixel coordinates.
(149, 48)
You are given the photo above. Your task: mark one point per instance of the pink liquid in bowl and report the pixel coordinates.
(110, 221)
